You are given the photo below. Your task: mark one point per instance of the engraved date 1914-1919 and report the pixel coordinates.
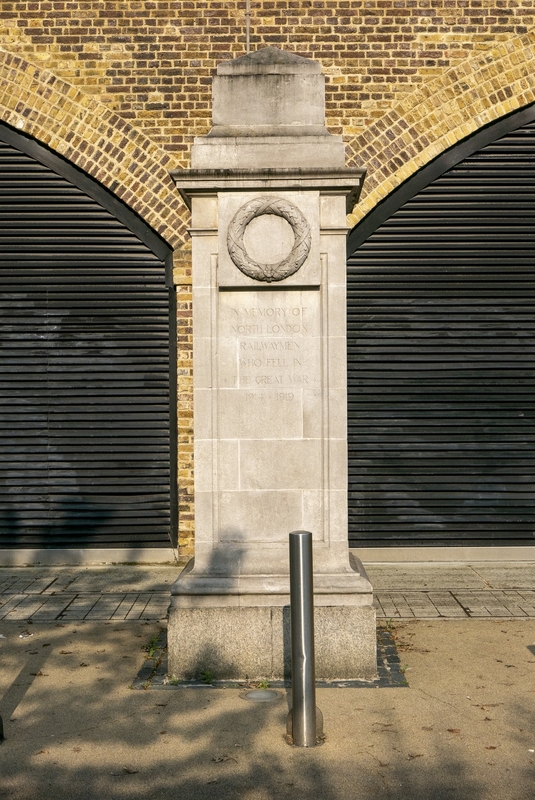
(263, 398)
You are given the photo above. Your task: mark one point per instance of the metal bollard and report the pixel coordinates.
(305, 722)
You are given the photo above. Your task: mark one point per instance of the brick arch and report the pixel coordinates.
(95, 139)
(441, 113)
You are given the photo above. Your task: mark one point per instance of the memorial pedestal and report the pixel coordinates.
(269, 330)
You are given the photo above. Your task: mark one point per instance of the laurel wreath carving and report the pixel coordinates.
(257, 208)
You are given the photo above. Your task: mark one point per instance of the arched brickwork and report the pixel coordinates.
(135, 169)
(428, 121)
(441, 113)
(100, 142)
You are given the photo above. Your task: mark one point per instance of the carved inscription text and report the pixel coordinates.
(274, 346)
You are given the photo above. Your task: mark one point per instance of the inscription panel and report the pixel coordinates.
(270, 341)
(269, 373)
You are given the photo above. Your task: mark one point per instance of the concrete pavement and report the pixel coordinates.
(462, 729)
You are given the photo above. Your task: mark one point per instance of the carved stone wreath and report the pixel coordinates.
(257, 208)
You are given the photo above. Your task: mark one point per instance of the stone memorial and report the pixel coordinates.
(269, 193)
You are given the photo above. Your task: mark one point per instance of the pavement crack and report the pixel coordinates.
(481, 577)
(438, 699)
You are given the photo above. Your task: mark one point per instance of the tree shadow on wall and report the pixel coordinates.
(68, 519)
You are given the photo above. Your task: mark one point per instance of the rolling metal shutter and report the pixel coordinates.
(84, 370)
(441, 327)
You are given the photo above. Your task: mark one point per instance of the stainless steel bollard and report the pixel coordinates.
(305, 723)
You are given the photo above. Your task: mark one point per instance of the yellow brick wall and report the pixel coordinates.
(152, 62)
(440, 113)
(121, 88)
(182, 280)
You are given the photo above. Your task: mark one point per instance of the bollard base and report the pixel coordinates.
(320, 736)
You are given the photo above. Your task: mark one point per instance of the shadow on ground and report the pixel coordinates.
(74, 729)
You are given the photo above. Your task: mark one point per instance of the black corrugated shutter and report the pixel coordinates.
(441, 328)
(84, 370)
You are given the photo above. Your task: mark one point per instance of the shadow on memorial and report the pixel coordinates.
(227, 562)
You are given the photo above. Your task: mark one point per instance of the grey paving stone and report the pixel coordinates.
(527, 602)
(494, 602)
(472, 603)
(105, 607)
(157, 607)
(52, 608)
(377, 605)
(392, 577)
(389, 609)
(402, 591)
(136, 612)
(39, 585)
(446, 604)
(124, 606)
(60, 583)
(402, 606)
(11, 601)
(6, 583)
(511, 602)
(421, 605)
(26, 608)
(20, 585)
(80, 606)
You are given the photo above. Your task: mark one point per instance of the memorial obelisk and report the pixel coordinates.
(269, 193)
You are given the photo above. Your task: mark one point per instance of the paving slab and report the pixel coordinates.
(419, 577)
(106, 579)
(26, 608)
(462, 730)
(512, 576)
(52, 608)
(10, 602)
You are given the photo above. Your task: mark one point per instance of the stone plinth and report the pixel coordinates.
(253, 642)
(269, 329)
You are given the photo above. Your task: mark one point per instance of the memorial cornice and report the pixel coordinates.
(208, 182)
